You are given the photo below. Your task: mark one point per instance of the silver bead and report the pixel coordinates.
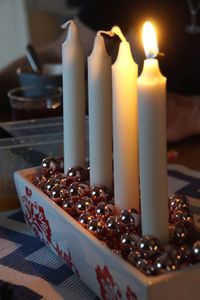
(50, 183)
(63, 193)
(73, 191)
(177, 201)
(58, 176)
(174, 252)
(136, 216)
(165, 263)
(83, 190)
(68, 205)
(187, 253)
(40, 181)
(112, 226)
(150, 246)
(196, 250)
(84, 204)
(128, 243)
(77, 172)
(98, 194)
(135, 256)
(104, 210)
(178, 234)
(181, 216)
(65, 181)
(97, 228)
(49, 165)
(146, 266)
(126, 221)
(55, 194)
(85, 218)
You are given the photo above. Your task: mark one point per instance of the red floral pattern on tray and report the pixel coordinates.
(130, 294)
(109, 289)
(67, 258)
(36, 220)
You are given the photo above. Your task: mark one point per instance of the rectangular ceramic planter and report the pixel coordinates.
(108, 275)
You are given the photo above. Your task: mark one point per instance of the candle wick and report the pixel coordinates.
(116, 30)
(151, 55)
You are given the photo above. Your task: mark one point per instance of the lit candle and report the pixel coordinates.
(125, 127)
(100, 114)
(73, 98)
(152, 141)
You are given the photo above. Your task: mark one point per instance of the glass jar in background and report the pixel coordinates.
(27, 104)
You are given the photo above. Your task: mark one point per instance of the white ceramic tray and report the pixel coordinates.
(108, 275)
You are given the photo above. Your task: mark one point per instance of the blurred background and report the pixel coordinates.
(35, 21)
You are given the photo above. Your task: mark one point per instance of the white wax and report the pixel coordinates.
(73, 99)
(100, 115)
(125, 129)
(152, 150)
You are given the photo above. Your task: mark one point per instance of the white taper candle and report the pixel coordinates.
(125, 128)
(73, 98)
(152, 149)
(100, 114)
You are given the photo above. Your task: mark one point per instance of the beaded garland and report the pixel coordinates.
(93, 207)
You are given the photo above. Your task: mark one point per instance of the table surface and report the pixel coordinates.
(188, 152)
(37, 273)
(29, 270)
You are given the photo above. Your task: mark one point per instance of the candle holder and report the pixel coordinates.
(105, 272)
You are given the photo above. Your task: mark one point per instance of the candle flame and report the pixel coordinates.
(149, 40)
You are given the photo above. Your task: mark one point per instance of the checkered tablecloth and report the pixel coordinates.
(30, 270)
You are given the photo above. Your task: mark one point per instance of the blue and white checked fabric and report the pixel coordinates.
(30, 270)
(34, 271)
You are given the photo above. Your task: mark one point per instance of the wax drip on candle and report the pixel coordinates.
(66, 24)
(110, 33)
(72, 29)
(116, 30)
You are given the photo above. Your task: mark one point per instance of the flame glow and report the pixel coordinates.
(149, 40)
